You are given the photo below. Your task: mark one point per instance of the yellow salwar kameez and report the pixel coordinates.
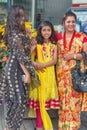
(46, 95)
(71, 102)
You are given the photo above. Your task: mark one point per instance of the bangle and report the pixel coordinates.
(74, 57)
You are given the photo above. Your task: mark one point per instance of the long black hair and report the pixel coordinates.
(39, 38)
(12, 24)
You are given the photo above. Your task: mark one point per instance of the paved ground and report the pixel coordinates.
(83, 121)
(29, 124)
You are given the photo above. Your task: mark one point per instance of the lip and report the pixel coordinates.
(46, 35)
(71, 28)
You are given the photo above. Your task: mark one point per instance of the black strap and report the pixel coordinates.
(77, 64)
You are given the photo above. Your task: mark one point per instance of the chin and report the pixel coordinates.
(71, 30)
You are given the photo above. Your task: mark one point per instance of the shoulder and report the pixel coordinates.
(82, 36)
(58, 36)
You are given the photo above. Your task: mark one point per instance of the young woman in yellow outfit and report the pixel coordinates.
(46, 96)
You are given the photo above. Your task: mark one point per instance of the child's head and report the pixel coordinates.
(45, 32)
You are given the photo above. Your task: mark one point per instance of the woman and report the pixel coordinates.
(18, 70)
(70, 43)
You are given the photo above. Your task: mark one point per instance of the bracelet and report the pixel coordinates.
(74, 57)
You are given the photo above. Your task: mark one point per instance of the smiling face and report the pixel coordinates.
(70, 23)
(22, 17)
(46, 32)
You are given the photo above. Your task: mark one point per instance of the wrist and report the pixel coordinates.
(27, 73)
(74, 56)
(44, 65)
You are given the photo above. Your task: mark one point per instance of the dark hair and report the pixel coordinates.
(12, 24)
(39, 38)
(67, 14)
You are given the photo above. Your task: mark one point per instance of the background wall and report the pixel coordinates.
(55, 10)
(52, 10)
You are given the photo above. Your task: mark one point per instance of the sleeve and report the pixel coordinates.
(22, 57)
(58, 36)
(84, 38)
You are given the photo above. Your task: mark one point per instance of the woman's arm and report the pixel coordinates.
(33, 45)
(41, 66)
(27, 78)
(85, 47)
(23, 59)
(72, 56)
(78, 56)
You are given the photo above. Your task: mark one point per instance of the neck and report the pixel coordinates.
(46, 40)
(68, 35)
(69, 32)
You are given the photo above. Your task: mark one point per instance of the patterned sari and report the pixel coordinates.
(12, 88)
(71, 102)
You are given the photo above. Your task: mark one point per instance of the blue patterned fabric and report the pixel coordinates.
(12, 89)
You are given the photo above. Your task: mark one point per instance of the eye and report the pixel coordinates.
(49, 30)
(73, 22)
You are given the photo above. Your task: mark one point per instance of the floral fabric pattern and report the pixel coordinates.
(71, 102)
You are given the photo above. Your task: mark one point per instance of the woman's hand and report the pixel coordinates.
(27, 78)
(39, 66)
(28, 32)
(33, 44)
(68, 56)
